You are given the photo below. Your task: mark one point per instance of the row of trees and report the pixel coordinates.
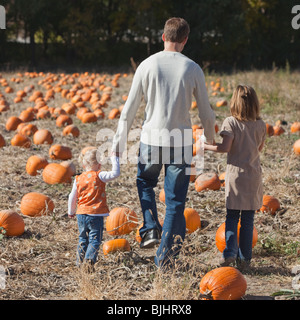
(224, 33)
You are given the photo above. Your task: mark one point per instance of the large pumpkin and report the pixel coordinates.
(55, 173)
(12, 223)
(43, 136)
(121, 220)
(192, 220)
(207, 181)
(34, 164)
(224, 283)
(35, 204)
(12, 123)
(220, 236)
(59, 152)
(270, 204)
(114, 245)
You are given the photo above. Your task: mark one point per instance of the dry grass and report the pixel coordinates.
(40, 264)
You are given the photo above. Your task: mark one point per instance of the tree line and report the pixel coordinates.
(225, 34)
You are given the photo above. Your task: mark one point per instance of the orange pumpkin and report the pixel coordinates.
(207, 181)
(28, 129)
(20, 140)
(296, 147)
(36, 204)
(89, 117)
(114, 245)
(295, 127)
(27, 116)
(12, 223)
(220, 236)
(121, 220)
(278, 130)
(270, 204)
(114, 113)
(192, 220)
(55, 173)
(71, 129)
(70, 166)
(224, 283)
(221, 103)
(43, 136)
(162, 196)
(12, 123)
(34, 164)
(60, 152)
(63, 120)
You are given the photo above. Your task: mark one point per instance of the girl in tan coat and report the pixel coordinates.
(243, 136)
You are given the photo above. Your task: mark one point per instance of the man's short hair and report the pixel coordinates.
(176, 30)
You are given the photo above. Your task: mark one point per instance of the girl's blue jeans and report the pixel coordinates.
(176, 181)
(242, 249)
(90, 236)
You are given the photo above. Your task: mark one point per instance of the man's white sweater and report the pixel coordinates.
(168, 81)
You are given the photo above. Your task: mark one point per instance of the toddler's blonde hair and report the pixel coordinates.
(244, 104)
(90, 159)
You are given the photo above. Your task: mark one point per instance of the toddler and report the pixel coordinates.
(89, 191)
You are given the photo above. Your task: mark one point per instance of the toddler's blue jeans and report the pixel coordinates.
(90, 236)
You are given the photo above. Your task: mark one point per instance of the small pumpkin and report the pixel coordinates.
(34, 164)
(278, 130)
(295, 127)
(43, 136)
(27, 116)
(192, 220)
(220, 236)
(89, 117)
(36, 204)
(222, 178)
(270, 204)
(12, 223)
(162, 196)
(114, 113)
(28, 129)
(224, 283)
(114, 245)
(12, 123)
(207, 181)
(60, 152)
(121, 220)
(55, 173)
(296, 147)
(63, 120)
(71, 129)
(221, 103)
(20, 140)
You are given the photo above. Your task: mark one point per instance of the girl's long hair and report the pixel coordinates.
(244, 104)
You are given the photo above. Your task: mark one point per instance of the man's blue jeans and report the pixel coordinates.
(90, 236)
(176, 182)
(243, 249)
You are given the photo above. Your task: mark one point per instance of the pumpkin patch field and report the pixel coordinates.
(48, 120)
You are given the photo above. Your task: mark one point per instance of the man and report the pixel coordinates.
(167, 80)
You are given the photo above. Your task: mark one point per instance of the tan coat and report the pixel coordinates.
(243, 181)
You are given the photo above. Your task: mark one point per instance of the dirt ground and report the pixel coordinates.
(40, 264)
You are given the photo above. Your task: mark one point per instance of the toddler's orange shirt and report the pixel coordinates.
(91, 194)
